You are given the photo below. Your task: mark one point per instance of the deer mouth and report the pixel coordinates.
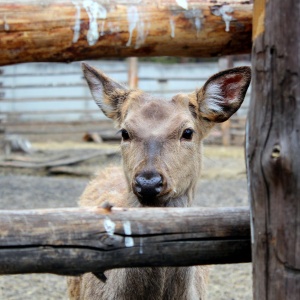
(153, 202)
(164, 199)
(150, 199)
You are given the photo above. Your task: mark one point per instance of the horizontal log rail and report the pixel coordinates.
(68, 30)
(72, 241)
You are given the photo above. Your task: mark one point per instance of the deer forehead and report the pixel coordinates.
(157, 119)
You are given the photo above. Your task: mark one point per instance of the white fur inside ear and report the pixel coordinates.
(95, 84)
(214, 97)
(97, 90)
(98, 94)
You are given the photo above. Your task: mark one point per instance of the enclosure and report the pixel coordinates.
(192, 28)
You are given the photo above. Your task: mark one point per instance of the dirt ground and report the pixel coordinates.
(223, 183)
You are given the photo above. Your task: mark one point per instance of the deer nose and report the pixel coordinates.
(148, 184)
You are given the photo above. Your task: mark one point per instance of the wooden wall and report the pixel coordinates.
(52, 101)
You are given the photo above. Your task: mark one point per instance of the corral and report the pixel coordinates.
(272, 128)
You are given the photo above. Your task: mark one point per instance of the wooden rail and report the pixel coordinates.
(78, 240)
(68, 30)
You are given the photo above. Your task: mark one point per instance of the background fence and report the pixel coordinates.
(52, 100)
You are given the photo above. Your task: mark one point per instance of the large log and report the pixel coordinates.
(68, 30)
(78, 240)
(273, 144)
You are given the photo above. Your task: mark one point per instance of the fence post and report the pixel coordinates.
(133, 78)
(272, 147)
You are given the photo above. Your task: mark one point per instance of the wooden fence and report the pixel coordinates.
(52, 101)
(272, 143)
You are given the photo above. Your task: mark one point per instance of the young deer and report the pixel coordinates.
(162, 150)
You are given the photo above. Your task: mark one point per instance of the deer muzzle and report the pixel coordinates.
(148, 184)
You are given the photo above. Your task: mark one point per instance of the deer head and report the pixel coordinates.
(162, 139)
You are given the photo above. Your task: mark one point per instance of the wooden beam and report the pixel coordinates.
(273, 145)
(78, 240)
(68, 30)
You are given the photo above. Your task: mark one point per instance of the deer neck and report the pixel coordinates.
(150, 283)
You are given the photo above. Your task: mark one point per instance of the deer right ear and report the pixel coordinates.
(223, 94)
(108, 94)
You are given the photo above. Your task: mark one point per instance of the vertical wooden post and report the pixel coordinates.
(272, 146)
(224, 63)
(133, 72)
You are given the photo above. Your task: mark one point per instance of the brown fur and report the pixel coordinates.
(156, 142)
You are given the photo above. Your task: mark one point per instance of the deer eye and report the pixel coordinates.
(187, 134)
(125, 135)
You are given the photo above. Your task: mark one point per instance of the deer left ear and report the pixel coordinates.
(223, 94)
(108, 94)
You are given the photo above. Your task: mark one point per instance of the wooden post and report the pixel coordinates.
(133, 78)
(89, 239)
(273, 143)
(67, 30)
(224, 63)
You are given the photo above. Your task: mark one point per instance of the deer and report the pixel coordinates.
(161, 151)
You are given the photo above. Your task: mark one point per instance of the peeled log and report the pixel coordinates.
(65, 30)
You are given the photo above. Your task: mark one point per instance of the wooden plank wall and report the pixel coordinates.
(51, 100)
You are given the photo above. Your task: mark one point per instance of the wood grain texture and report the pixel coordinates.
(273, 144)
(66, 30)
(78, 240)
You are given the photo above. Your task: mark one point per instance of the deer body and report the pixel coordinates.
(162, 150)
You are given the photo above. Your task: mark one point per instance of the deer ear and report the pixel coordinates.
(108, 94)
(223, 94)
